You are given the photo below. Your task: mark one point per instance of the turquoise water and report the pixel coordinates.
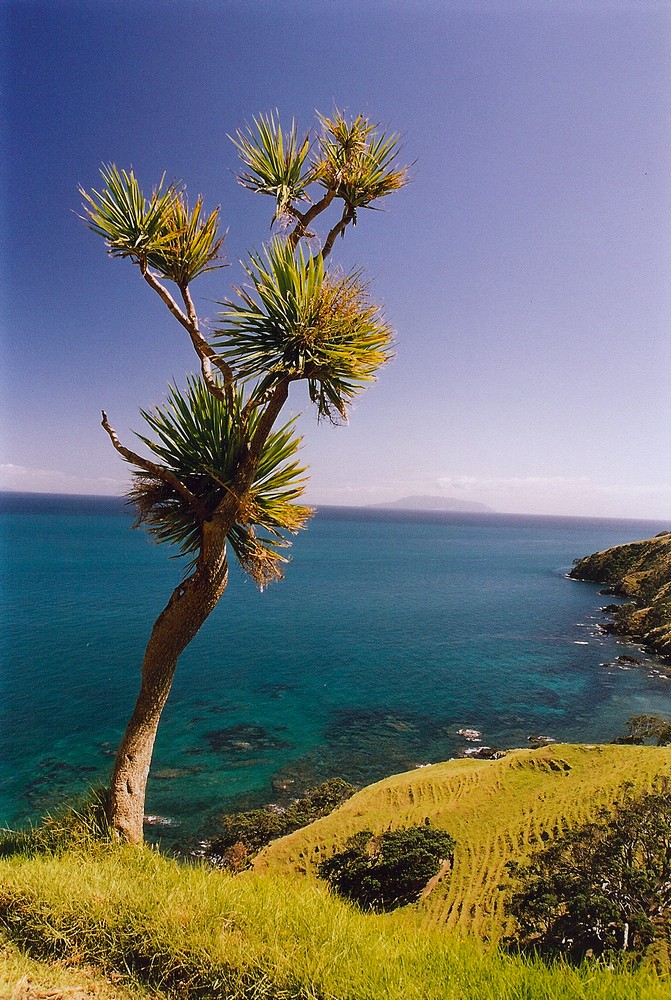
(390, 632)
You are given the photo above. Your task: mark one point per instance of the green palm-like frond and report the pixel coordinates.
(199, 439)
(356, 163)
(306, 322)
(190, 246)
(159, 231)
(275, 161)
(131, 225)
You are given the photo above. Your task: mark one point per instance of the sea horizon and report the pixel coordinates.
(119, 500)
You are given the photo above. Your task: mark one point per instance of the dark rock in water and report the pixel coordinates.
(158, 821)
(55, 782)
(214, 707)
(364, 743)
(243, 738)
(275, 691)
(483, 753)
(358, 719)
(472, 735)
(284, 786)
(168, 773)
(625, 658)
(610, 592)
(296, 777)
(535, 742)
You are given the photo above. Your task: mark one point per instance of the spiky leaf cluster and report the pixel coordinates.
(131, 225)
(160, 231)
(302, 321)
(356, 162)
(351, 159)
(276, 160)
(199, 439)
(191, 244)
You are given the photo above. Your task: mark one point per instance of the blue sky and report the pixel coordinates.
(526, 269)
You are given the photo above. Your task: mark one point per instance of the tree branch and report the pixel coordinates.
(165, 295)
(189, 321)
(208, 356)
(159, 471)
(305, 218)
(340, 227)
(249, 461)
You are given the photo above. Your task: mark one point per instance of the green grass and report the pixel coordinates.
(277, 933)
(23, 977)
(195, 932)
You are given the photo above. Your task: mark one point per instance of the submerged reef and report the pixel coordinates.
(641, 571)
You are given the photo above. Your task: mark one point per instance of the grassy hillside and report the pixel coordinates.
(496, 811)
(277, 933)
(642, 571)
(196, 934)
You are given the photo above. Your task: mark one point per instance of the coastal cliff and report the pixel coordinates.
(642, 571)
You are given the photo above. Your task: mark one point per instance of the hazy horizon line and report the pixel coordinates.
(372, 507)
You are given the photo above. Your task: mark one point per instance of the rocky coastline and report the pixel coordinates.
(640, 571)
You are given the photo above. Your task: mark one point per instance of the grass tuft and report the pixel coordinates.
(80, 823)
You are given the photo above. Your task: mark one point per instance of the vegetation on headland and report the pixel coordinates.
(496, 810)
(653, 728)
(190, 930)
(642, 571)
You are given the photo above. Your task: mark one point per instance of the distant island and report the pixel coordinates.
(424, 502)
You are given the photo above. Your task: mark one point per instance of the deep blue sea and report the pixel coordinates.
(390, 633)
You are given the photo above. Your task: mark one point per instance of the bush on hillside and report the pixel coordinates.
(602, 888)
(642, 728)
(381, 873)
(255, 828)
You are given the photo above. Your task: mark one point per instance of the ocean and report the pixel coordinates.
(391, 632)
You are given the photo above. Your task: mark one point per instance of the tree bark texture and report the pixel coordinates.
(189, 606)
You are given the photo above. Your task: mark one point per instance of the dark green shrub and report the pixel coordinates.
(602, 888)
(644, 728)
(257, 827)
(381, 873)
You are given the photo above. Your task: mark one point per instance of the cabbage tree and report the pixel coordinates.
(217, 469)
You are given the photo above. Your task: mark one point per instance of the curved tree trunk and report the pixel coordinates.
(188, 607)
